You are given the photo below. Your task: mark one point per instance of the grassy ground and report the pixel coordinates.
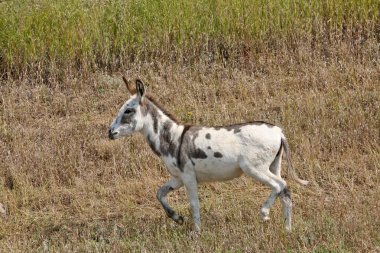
(67, 188)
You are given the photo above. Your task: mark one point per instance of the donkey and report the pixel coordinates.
(197, 154)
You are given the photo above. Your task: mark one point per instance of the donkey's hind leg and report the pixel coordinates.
(171, 185)
(267, 205)
(287, 207)
(286, 201)
(278, 186)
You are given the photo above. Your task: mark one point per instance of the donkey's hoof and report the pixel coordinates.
(264, 214)
(179, 220)
(194, 234)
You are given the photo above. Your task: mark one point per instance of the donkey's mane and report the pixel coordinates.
(161, 107)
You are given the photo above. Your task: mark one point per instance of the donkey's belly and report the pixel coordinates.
(217, 172)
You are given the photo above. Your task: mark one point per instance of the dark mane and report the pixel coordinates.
(159, 105)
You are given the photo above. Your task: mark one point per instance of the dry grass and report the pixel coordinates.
(67, 188)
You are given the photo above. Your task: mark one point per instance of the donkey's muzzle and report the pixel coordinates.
(111, 134)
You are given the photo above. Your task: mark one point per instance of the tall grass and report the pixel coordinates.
(109, 34)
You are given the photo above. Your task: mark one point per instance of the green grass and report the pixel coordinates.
(52, 35)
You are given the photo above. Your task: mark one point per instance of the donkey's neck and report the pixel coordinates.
(161, 131)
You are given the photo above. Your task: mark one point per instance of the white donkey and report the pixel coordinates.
(196, 154)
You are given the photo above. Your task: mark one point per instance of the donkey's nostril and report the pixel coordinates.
(111, 134)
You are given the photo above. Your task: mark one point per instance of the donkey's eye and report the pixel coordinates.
(129, 111)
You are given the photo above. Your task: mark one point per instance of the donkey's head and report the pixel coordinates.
(129, 119)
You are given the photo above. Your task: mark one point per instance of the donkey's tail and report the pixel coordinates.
(291, 171)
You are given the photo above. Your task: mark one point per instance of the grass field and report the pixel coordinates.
(51, 37)
(311, 67)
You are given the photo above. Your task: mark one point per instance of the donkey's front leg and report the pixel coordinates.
(171, 185)
(192, 192)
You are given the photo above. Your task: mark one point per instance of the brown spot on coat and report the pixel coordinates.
(126, 119)
(167, 146)
(181, 140)
(188, 149)
(218, 155)
(129, 120)
(199, 154)
(208, 136)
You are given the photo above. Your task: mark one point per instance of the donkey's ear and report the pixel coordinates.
(140, 88)
(130, 87)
